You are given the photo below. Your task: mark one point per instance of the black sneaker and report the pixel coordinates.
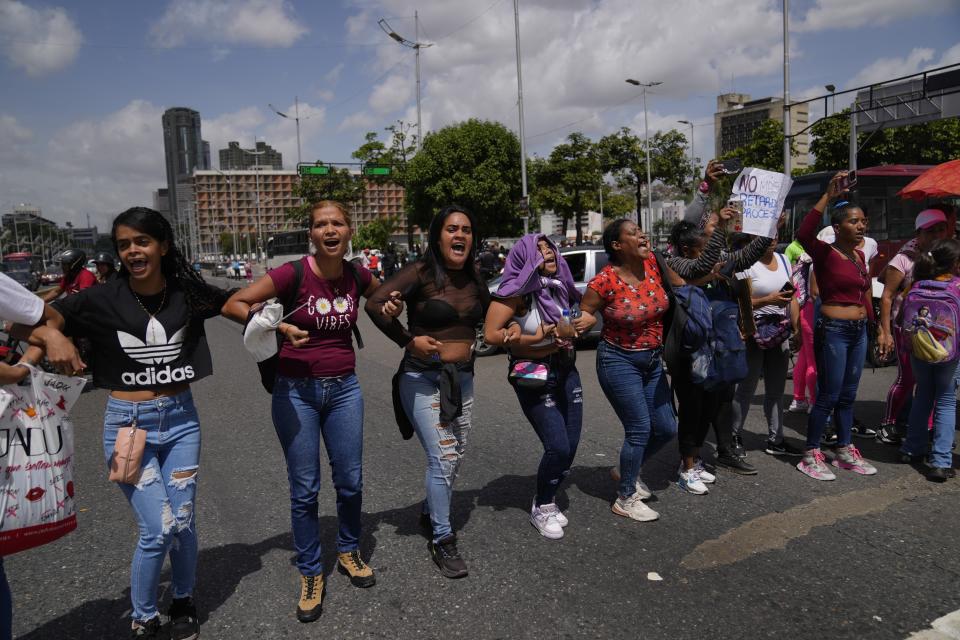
(861, 430)
(940, 474)
(737, 464)
(783, 448)
(738, 447)
(184, 624)
(911, 458)
(447, 558)
(148, 629)
(829, 436)
(889, 434)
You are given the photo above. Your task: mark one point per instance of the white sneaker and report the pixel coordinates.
(690, 481)
(706, 476)
(640, 486)
(553, 508)
(634, 508)
(545, 521)
(799, 406)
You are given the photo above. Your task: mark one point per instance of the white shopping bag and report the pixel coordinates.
(36, 461)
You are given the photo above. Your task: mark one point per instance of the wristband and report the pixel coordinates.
(704, 187)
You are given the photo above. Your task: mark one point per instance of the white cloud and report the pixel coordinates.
(850, 14)
(359, 121)
(14, 138)
(357, 24)
(39, 41)
(887, 68)
(263, 23)
(333, 76)
(576, 57)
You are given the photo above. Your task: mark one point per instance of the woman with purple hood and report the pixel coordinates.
(530, 316)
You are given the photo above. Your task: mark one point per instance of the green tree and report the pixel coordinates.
(374, 234)
(569, 181)
(928, 143)
(402, 147)
(371, 151)
(475, 164)
(622, 155)
(765, 149)
(339, 185)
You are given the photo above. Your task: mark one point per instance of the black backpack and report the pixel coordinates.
(268, 367)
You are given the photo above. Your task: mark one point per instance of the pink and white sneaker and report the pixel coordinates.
(814, 465)
(849, 458)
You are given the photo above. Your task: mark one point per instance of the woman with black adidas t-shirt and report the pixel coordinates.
(147, 332)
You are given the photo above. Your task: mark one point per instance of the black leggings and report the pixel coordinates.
(697, 409)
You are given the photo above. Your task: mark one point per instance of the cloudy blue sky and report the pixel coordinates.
(84, 83)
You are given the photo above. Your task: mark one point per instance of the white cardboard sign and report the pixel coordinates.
(763, 194)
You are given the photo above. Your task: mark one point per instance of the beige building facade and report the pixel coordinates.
(737, 116)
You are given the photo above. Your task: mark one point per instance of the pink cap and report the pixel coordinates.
(929, 217)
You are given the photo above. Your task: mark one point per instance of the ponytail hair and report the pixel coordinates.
(685, 235)
(940, 260)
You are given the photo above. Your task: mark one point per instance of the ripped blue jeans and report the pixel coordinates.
(556, 413)
(163, 499)
(444, 444)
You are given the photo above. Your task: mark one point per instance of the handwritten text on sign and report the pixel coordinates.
(763, 194)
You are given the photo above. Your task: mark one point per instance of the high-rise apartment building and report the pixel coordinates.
(226, 202)
(185, 151)
(738, 116)
(236, 158)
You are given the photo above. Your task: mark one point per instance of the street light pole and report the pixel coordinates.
(693, 156)
(296, 118)
(416, 45)
(787, 125)
(523, 142)
(257, 155)
(646, 144)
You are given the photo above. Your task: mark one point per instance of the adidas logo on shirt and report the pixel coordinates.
(156, 349)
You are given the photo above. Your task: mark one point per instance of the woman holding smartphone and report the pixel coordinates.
(771, 291)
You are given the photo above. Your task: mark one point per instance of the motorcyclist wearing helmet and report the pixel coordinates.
(75, 275)
(106, 267)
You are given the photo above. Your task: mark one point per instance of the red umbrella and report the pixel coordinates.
(939, 182)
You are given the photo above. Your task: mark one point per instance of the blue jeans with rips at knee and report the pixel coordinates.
(164, 498)
(306, 410)
(636, 385)
(444, 443)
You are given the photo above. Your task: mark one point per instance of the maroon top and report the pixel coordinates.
(329, 317)
(840, 280)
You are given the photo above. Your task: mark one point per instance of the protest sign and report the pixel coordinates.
(762, 194)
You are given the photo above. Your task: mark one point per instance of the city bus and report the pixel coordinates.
(25, 268)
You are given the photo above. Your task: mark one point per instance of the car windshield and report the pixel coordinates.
(16, 266)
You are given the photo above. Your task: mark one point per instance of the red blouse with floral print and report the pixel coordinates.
(632, 316)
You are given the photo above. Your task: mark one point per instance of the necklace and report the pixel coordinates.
(142, 306)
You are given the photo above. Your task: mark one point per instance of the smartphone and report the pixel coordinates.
(736, 221)
(787, 286)
(732, 165)
(849, 182)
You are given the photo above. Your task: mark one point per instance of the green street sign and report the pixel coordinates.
(314, 170)
(378, 170)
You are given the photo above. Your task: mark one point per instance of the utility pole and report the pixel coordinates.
(787, 125)
(523, 142)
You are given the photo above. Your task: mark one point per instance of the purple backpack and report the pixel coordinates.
(931, 315)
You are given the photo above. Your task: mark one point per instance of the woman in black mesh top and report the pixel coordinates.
(446, 302)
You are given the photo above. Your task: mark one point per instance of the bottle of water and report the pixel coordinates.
(566, 317)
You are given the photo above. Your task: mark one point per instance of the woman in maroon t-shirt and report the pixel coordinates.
(316, 395)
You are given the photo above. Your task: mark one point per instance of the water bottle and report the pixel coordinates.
(566, 317)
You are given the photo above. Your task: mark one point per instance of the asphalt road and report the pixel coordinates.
(772, 555)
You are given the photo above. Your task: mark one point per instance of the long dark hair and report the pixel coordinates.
(202, 299)
(941, 259)
(433, 258)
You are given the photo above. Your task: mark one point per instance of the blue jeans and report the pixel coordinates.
(556, 413)
(636, 386)
(164, 498)
(444, 443)
(304, 411)
(840, 347)
(937, 391)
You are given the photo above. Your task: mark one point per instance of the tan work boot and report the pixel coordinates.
(311, 598)
(351, 564)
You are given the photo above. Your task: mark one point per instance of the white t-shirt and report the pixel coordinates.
(763, 282)
(17, 304)
(869, 247)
